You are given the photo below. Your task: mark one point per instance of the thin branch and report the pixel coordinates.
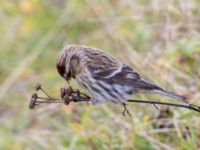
(72, 95)
(187, 106)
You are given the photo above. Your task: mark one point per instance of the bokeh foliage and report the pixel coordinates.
(159, 39)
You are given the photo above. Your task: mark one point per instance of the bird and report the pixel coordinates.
(103, 76)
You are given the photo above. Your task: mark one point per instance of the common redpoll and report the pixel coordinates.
(105, 77)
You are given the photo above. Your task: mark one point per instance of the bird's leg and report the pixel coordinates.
(125, 110)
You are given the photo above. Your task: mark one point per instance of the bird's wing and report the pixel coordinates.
(123, 75)
(107, 68)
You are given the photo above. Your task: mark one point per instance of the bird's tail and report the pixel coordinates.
(171, 94)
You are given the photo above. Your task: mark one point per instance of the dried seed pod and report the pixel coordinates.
(38, 87)
(66, 94)
(33, 101)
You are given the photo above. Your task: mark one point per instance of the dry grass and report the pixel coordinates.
(159, 39)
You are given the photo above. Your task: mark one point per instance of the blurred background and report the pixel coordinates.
(159, 39)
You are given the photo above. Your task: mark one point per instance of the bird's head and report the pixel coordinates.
(62, 63)
(66, 62)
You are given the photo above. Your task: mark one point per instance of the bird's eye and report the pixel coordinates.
(61, 69)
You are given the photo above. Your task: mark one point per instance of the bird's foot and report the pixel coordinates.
(125, 110)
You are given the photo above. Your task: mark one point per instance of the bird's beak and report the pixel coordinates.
(65, 77)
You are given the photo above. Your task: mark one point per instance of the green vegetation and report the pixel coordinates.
(159, 39)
